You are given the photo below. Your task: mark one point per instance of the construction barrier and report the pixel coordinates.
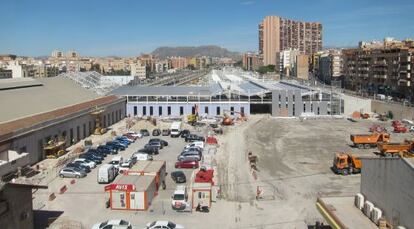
(63, 189)
(52, 196)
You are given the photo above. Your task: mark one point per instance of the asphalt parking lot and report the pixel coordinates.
(87, 198)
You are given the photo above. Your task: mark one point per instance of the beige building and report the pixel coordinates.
(277, 34)
(178, 62)
(381, 68)
(301, 67)
(138, 70)
(251, 61)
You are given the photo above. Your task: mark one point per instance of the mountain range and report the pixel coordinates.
(190, 51)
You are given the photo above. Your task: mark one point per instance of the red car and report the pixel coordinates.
(400, 129)
(396, 123)
(186, 164)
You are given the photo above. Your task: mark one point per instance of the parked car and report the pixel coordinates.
(156, 144)
(125, 139)
(165, 132)
(411, 128)
(134, 134)
(199, 144)
(149, 150)
(142, 156)
(194, 137)
(178, 177)
(185, 133)
(96, 154)
(131, 137)
(156, 132)
(117, 161)
(116, 145)
(187, 164)
(72, 172)
(111, 149)
(144, 132)
(191, 155)
(164, 225)
(80, 166)
(90, 157)
(113, 223)
(102, 153)
(86, 162)
(163, 142)
(193, 148)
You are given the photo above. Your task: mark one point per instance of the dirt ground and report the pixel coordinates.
(294, 167)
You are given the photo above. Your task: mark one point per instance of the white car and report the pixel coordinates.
(164, 225)
(135, 134)
(142, 157)
(86, 162)
(113, 224)
(198, 144)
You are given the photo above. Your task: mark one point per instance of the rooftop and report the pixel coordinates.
(166, 90)
(340, 212)
(141, 183)
(27, 97)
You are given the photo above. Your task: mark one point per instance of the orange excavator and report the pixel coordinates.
(229, 121)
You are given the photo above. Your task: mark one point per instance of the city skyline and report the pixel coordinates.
(103, 28)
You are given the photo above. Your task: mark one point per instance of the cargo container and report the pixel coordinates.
(150, 168)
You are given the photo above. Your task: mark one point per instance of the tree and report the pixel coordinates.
(265, 69)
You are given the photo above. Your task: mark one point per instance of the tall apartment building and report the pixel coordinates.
(138, 70)
(251, 61)
(278, 34)
(330, 66)
(57, 54)
(384, 68)
(178, 62)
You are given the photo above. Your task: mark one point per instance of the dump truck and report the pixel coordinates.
(369, 140)
(345, 163)
(403, 149)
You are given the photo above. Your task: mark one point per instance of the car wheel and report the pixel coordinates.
(61, 176)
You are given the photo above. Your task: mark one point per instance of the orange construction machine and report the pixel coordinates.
(403, 149)
(369, 140)
(345, 164)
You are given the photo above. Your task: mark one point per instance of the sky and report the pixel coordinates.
(131, 27)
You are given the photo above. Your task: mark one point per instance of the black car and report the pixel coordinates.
(149, 150)
(116, 145)
(156, 132)
(165, 132)
(185, 133)
(163, 142)
(96, 154)
(86, 169)
(156, 144)
(194, 137)
(178, 177)
(144, 132)
(100, 152)
(91, 158)
(109, 149)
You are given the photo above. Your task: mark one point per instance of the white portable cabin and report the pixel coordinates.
(150, 168)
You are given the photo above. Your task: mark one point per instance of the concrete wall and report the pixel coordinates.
(17, 204)
(187, 108)
(352, 104)
(398, 110)
(290, 104)
(388, 183)
(32, 142)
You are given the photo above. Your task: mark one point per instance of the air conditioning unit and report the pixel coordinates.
(359, 201)
(376, 215)
(368, 206)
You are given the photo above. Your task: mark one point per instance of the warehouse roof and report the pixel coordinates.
(138, 90)
(26, 97)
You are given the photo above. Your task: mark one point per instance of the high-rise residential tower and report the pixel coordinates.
(278, 34)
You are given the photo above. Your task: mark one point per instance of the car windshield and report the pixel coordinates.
(171, 225)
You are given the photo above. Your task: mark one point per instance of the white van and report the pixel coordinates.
(175, 129)
(179, 198)
(106, 174)
(117, 161)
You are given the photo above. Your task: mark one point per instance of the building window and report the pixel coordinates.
(107, 119)
(135, 110)
(206, 110)
(231, 110)
(280, 97)
(84, 130)
(23, 149)
(304, 107)
(242, 110)
(90, 128)
(286, 104)
(160, 111)
(293, 98)
(77, 133)
(120, 114)
(72, 140)
(293, 111)
(181, 110)
(218, 111)
(144, 110)
(311, 107)
(318, 111)
(169, 110)
(113, 117)
(151, 111)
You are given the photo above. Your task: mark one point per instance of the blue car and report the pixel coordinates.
(109, 149)
(124, 138)
(116, 145)
(123, 141)
(101, 152)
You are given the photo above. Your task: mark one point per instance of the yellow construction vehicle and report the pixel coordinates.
(54, 149)
(192, 119)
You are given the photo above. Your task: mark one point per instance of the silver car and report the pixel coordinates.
(189, 155)
(72, 172)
